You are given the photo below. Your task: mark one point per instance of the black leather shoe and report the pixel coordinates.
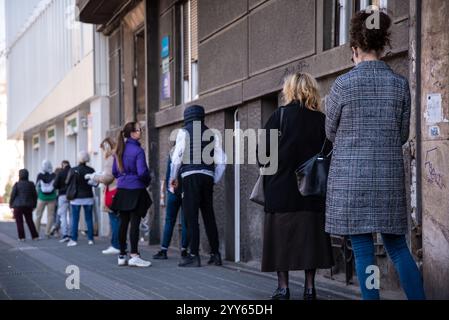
(190, 261)
(309, 294)
(161, 255)
(215, 258)
(281, 294)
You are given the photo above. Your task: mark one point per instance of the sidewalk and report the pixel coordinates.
(36, 270)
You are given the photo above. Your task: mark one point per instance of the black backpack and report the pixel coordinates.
(72, 184)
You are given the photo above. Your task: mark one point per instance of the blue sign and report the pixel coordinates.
(165, 46)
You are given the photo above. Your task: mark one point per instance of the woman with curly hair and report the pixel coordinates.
(368, 119)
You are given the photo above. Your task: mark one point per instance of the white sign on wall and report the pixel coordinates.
(434, 111)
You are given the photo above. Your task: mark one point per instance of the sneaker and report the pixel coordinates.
(72, 243)
(90, 243)
(190, 261)
(161, 255)
(122, 261)
(22, 240)
(111, 250)
(138, 262)
(36, 239)
(215, 258)
(65, 239)
(184, 253)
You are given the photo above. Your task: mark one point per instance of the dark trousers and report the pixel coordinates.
(127, 217)
(198, 194)
(19, 213)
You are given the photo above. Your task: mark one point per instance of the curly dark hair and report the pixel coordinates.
(366, 39)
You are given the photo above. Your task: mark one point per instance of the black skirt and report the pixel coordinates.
(126, 200)
(295, 241)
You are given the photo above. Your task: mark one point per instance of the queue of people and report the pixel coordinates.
(365, 122)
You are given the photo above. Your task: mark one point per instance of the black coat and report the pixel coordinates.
(84, 190)
(303, 135)
(23, 193)
(60, 180)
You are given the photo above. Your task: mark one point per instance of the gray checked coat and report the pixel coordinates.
(368, 118)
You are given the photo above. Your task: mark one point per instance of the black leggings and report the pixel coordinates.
(125, 218)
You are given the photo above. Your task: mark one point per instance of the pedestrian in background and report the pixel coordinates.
(46, 195)
(106, 177)
(368, 119)
(23, 200)
(294, 236)
(63, 204)
(84, 198)
(132, 200)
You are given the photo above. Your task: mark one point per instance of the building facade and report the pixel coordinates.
(57, 85)
(232, 56)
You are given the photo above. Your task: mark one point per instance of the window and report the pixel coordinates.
(337, 18)
(189, 34)
(51, 134)
(35, 140)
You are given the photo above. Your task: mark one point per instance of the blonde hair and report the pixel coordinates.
(303, 88)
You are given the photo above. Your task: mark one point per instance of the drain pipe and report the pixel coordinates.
(236, 187)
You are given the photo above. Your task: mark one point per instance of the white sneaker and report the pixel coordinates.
(111, 250)
(122, 261)
(90, 243)
(72, 243)
(64, 240)
(138, 262)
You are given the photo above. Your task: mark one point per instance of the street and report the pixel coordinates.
(34, 270)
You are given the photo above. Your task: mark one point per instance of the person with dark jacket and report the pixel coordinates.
(198, 177)
(23, 200)
(132, 200)
(46, 195)
(294, 235)
(63, 203)
(84, 198)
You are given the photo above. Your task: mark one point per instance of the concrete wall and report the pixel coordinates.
(435, 149)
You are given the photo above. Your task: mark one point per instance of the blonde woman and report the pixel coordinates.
(294, 236)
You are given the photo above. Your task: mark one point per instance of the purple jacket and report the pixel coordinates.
(135, 173)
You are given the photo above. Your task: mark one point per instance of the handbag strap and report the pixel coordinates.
(281, 121)
(324, 146)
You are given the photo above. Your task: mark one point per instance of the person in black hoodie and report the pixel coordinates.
(63, 203)
(23, 201)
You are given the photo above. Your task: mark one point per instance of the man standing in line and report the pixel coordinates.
(198, 177)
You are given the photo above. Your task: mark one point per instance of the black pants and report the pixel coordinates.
(125, 218)
(198, 194)
(19, 213)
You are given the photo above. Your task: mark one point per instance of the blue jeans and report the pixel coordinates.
(399, 253)
(89, 221)
(114, 223)
(174, 203)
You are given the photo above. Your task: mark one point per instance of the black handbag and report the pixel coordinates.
(312, 174)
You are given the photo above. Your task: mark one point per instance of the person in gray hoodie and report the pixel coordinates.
(23, 200)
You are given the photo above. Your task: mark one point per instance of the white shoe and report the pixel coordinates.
(122, 261)
(90, 243)
(138, 262)
(111, 250)
(72, 243)
(64, 240)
